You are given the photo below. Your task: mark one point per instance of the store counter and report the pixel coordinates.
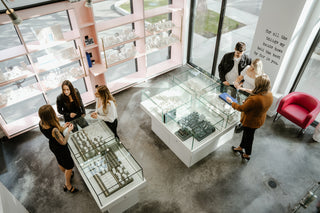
(188, 115)
(110, 172)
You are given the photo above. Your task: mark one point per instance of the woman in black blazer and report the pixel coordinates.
(69, 104)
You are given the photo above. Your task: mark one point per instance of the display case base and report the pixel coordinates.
(188, 156)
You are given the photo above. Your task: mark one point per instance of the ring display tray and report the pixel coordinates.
(110, 172)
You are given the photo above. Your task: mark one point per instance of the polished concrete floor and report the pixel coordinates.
(221, 182)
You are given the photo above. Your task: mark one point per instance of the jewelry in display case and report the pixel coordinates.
(98, 156)
(13, 72)
(119, 37)
(160, 40)
(120, 53)
(195, 124)
(159, 26)
(108, 172)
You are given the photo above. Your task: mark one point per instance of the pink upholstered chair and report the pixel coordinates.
(299, 108)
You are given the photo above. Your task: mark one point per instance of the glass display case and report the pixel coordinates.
(193, 122)
(188, 115)
(104, 163)
(165, 99)
(214, 102)
(195, 82)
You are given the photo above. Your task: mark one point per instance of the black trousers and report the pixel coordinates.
(113, 127)
(247, 139)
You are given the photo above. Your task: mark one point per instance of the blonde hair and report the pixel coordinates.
(262, 84)
(258, 66)
(105, 96)
(48, 117)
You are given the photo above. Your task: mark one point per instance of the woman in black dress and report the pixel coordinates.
(51, 128)
(69, 104)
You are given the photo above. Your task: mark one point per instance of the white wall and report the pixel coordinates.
(8, 203)
(298, 22)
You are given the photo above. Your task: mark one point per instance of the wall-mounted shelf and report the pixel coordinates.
(37, 46)
(49, 86)
(3, 83)
(122, 43)
(91, 46)
(88, 24)
(82, 22)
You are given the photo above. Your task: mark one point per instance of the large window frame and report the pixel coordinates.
(216, 47)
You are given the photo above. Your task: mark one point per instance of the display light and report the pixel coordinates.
(13, 16)
(88, 3)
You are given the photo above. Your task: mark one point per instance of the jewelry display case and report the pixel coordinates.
(199, 124)
(112, 175)
(195, 82)
(163, 100)
(212, 100)
(193, 122)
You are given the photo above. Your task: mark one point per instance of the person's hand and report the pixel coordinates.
(226, 83)
(66, 125)
(229, 100)
(237, 85)
(94, 115)
(70, 127)
(83, 115)
(72, 115)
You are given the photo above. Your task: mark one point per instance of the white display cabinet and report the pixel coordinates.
(118, 43)
(131, 32)
(46, 53)
(110, 172)
(194, 128)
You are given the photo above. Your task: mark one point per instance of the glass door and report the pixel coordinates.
(239, 23)
(309, 75)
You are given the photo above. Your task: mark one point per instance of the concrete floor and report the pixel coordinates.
(221, 182)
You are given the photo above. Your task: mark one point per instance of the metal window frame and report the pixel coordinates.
(218, 38)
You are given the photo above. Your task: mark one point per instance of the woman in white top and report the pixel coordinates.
(248, 76)
(106, 108)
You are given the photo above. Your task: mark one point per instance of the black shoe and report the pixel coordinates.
(235, 151)
(238, 128)
(245, 158)
(72, 189)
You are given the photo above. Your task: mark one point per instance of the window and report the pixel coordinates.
(120, 70)
(239, 24)
(32, 28)
(111, 9)
(8, 31)
(309, 78)
(20, 98)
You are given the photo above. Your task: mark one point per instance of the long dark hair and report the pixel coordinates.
(48, 117)
(105, 96)
(73, 94)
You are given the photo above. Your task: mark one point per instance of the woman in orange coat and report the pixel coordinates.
(254, 112)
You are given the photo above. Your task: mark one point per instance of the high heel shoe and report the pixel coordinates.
(245, 158)
(72, 189)
(235, 151)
